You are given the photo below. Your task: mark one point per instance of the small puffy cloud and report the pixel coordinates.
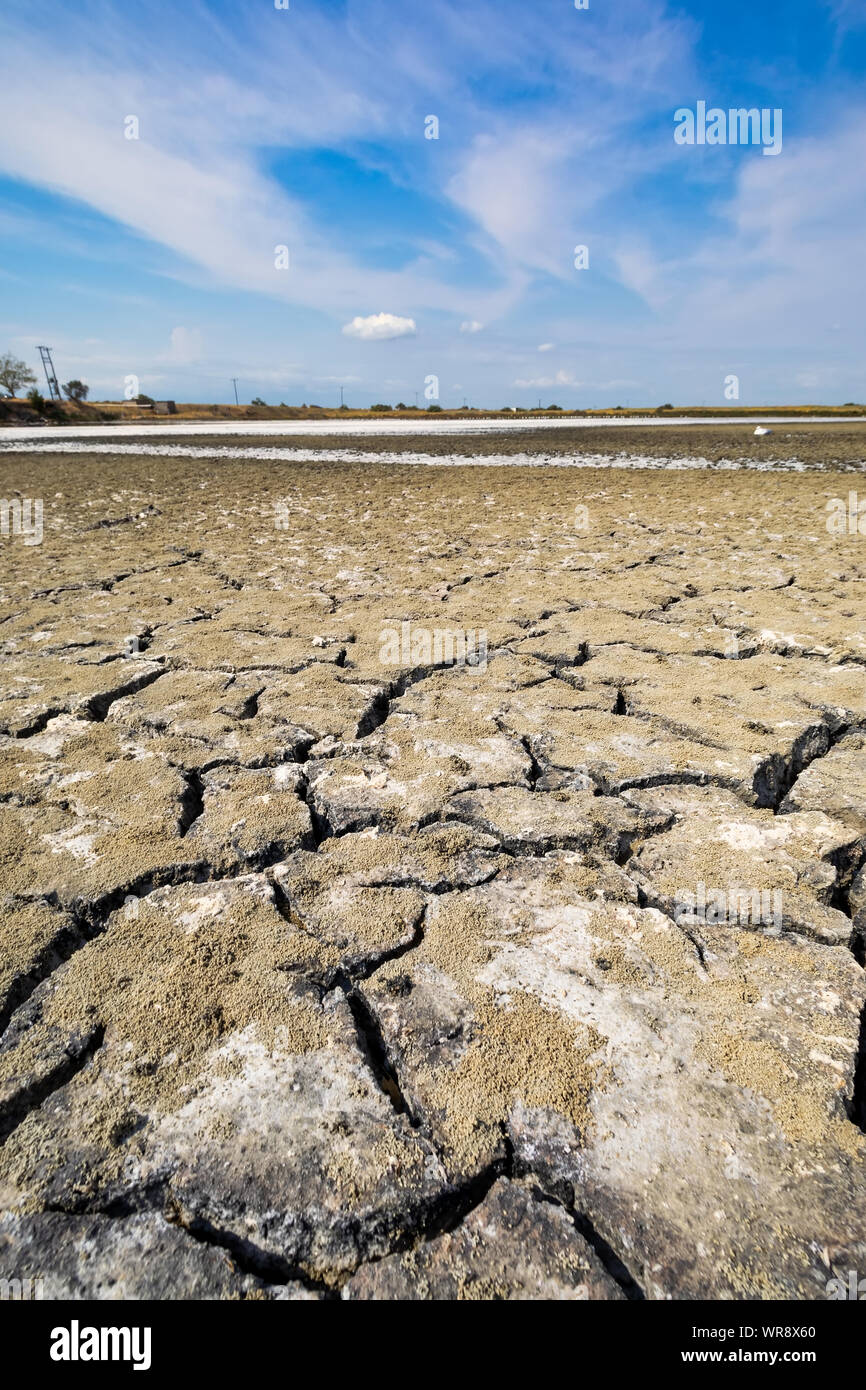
(471, 326)
(546, 347)
(376, 327)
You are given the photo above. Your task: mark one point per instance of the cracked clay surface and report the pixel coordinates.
(331, 970)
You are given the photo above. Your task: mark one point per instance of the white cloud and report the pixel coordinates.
(561, 379)
(186, 345)
(762, 279)
(639, 270)
(789, 250)
(193, 183)
(376, 327)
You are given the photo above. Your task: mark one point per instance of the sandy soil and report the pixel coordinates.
(336, 965)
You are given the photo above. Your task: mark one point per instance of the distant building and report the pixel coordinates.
(164, 408)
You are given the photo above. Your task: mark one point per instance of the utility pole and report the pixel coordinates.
(50, 374)
(341, 398)
(416, 400)
(235, 385)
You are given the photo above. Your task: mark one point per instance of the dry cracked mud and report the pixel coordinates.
(335, 966)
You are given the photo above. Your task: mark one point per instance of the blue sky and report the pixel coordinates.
(305, 128)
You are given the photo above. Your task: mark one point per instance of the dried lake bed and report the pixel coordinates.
(329, 970)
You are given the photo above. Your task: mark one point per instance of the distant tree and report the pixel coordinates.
(14, 373)
(141, 399)
(668, 406)
(76, 390)
(257, 400)
(401, 405)
(36, 399)
(380, 406)
(435, 408)
(554, 407)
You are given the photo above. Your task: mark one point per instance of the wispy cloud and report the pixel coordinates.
(555, 128)
(562, 378)
(186, 345)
